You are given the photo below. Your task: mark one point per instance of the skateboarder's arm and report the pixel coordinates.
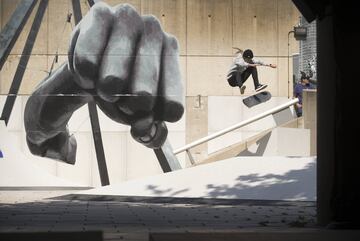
(261, 63)
(268, 65)
(272, 65)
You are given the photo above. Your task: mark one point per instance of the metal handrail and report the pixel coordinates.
(236, 126)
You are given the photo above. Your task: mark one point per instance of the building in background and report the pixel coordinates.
(307, 51)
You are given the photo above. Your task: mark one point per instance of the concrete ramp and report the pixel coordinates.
(266, 178)
(16, 170)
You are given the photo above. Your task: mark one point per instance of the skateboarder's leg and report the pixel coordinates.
(254, 74)
(232, 80)
(244, 76)
(240, 79)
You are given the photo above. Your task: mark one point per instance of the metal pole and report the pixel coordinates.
(191, 158)
(94, 119)
(236, 126)
(24, 59)
(11, 31)
(288, 65)
(166, 158)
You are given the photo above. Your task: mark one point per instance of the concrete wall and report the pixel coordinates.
(310, 116)
(207, 30)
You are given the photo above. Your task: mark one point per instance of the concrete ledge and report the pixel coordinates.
(256, 235)
(54, 236)
(42, 188)
(172, 200)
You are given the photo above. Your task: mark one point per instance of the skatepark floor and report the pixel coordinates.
(47, 211)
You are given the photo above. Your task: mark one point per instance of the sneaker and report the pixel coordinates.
(260, 87)
(242, 89)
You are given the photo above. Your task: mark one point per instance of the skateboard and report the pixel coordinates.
(257, 98)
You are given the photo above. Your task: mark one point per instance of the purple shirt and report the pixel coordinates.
(299, 89)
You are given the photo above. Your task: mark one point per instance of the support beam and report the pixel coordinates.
(77, 11)
(10, 33)
(94, 119)
(25, 56)
(166, 158)
(191, 158)
(99, 148)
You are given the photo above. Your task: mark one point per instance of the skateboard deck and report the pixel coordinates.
(257, 98)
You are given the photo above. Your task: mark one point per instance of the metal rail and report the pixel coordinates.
(24, 60)
(236, 126)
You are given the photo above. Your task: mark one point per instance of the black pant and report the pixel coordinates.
(242, 77)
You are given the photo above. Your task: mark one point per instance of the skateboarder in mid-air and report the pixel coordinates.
(243, 66)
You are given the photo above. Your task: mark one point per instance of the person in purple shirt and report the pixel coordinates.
(298, 92)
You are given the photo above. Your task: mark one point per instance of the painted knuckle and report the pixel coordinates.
(152, 24)
(127, 8)
(101, 9)
(127, 13)
(172, 42)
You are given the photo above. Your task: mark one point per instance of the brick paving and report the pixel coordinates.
(42, 211)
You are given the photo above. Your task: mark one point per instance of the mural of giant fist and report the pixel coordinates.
(124, 62)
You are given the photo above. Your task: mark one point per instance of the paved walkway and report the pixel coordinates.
(44, 211)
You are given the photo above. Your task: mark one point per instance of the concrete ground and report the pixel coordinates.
(49, 211)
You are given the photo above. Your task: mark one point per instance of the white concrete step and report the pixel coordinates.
(266, 178)
(16, 170)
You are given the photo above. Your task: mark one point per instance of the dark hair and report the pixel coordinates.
(304, 76)
(248, 54)
(238, 51)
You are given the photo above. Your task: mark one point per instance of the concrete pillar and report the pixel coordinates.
(309, 114)
(326, 116)
(197, 124)
(338, 127)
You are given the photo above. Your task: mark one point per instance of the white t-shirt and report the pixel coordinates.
(239, 65)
